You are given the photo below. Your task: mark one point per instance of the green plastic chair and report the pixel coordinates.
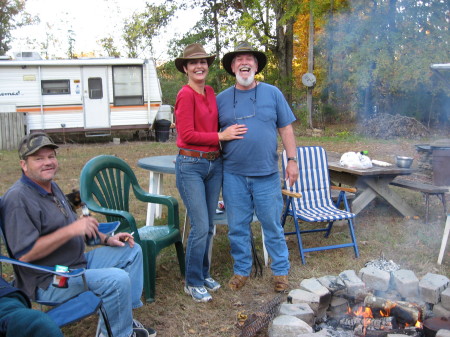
(105, 186)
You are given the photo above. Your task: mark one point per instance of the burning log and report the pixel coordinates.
(411, 331)
(405, 312)
(358, 324)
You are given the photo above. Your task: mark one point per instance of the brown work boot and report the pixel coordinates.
(281, 283)
(237, 282)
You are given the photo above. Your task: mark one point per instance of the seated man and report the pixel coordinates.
(40, 227)
(17, 319)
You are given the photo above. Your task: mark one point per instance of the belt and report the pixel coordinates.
(206, 155)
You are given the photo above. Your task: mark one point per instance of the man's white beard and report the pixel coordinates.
(246, 82)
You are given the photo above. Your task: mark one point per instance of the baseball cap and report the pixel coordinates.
(34, 142)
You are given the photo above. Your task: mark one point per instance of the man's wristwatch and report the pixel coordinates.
(105, 241)
(292, 158)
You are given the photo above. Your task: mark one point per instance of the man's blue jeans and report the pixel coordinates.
(243, 196)
(199, 181)
(116, 275)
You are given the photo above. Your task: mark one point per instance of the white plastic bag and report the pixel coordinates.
(355, 160)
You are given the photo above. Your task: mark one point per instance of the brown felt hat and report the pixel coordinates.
(243, 47)
(34, 142)
(194, 51)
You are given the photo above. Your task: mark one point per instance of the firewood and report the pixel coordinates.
(405, 312)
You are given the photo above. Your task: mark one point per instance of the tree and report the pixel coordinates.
(9, 10)
(142, 28)
(107, 44)
(381, 63)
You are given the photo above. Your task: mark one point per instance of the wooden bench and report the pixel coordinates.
(426, 189)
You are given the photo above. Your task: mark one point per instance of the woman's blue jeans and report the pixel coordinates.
(116, 275)
(199, 181)
(242, 196)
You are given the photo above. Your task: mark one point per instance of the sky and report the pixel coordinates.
(89, 20)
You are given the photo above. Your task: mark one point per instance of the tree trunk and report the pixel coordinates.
(284, 51)
(310, 64)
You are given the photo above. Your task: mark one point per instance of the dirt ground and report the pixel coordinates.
(381, 232)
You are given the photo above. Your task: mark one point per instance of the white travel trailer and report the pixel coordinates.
(94, 96)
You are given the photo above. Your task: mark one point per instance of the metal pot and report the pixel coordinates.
(432, 325)
(404, 162)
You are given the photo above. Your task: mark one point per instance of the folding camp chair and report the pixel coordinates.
(106, 183)
(76, 308)
(309, 199)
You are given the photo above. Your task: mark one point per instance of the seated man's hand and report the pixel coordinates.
(119, 240)
(85, 226)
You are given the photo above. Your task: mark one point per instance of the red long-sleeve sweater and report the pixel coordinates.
(197, 120)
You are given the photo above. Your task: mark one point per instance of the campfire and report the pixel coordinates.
(379, 314)
(373, 303)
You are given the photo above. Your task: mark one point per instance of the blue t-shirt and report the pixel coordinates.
(263, 110)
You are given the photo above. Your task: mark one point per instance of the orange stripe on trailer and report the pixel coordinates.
(52, 108)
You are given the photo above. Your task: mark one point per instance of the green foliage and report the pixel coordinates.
(142, 28)
(381, 52)
(9, 10)
(108, 45)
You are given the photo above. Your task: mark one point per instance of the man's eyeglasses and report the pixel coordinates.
(60, 206)
(244, 115)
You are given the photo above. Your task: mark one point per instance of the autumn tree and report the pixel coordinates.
(383, 52)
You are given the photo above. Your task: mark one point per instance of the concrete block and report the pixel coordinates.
(300, 310)
(406, 283)
(314, 286)
(288, 326)
(353, 283)
(303, 296)
(431, 286)
(375, 278)
(440, 311)
(338, 307)
(445, 298)
(334, 284)
(443, 333)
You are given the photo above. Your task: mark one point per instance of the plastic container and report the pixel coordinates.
(162, 129)
(164, 112)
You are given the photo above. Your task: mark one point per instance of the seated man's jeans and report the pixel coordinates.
(116, 275)
(260, 194)
(17, 320)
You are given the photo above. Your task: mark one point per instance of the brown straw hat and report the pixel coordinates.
(243, 47)
(194, 51)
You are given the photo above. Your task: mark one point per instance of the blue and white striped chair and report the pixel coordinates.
(309, 199)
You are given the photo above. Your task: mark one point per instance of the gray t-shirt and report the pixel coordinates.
(29, 212)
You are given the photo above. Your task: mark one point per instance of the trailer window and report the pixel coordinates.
(55, 87)
(128, 85)
(95, 88)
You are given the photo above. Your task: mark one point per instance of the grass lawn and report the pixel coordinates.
(381, 232)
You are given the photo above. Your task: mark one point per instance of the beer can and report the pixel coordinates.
(60, 281)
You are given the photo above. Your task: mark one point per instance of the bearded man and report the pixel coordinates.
(251, 181)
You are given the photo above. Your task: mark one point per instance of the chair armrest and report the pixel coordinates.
(94, 207)
(291, 194)
(70, 273)
(170, 202)
(345, 189)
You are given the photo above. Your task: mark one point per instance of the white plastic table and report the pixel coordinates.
(157, 166)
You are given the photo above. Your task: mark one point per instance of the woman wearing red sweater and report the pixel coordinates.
(199, 164)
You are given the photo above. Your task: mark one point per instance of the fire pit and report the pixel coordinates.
(373, 303)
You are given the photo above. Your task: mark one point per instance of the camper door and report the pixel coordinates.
(95, 97)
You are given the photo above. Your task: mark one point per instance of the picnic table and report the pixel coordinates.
(371, 183)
